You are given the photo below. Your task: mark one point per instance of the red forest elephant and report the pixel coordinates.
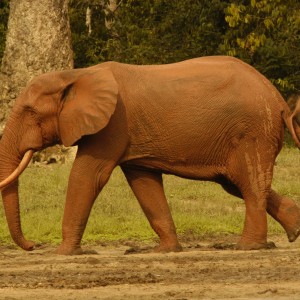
(209, 118)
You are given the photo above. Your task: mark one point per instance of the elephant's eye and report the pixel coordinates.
(30, 111)
(33, 115)
(66, 92)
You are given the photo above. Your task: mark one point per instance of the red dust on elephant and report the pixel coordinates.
(209, 118)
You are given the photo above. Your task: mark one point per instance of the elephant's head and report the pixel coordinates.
(57, 107)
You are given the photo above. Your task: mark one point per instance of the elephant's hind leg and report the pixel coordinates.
(286, 212)
(283, 209)
(148, 189)
(252, 174)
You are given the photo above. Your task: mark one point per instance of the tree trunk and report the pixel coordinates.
(38, 41)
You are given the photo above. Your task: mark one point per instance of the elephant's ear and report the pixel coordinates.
(88, 103)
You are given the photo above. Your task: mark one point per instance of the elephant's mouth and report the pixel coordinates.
(18, 171)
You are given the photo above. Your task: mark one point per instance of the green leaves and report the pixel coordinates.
(166, 31)
(264, 33)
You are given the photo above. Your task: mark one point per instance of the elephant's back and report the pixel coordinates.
(193, 82)
(214, 86)
(208, 104)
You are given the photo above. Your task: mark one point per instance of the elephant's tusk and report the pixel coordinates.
(18, 171)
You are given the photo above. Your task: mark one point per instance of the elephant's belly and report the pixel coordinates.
(190, 156)
(191, 170)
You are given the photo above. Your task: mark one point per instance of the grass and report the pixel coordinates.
(199, 208)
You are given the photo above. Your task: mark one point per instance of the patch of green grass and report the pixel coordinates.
(198, 208)
(287, 173)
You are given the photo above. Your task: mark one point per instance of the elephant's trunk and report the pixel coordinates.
(12, 211)
(11, 167)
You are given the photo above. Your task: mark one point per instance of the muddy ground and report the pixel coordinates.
(205, 270)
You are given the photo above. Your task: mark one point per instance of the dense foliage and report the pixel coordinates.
(166, 31)
(264, 33)
(148, 31)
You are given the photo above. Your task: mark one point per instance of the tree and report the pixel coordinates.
(162, 31)
(37, 41)
(266, 34)
(148, 31)
(88, 45)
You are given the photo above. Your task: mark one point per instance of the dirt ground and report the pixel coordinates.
(204, 270)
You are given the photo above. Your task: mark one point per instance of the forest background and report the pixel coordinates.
(263, 33)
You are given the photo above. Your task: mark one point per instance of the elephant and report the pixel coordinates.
(211, 118)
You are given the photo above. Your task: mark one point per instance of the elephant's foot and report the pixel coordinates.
(27, 245)
(290, 221)
(67, 250)
(167, 247)
(292, 225)
(286, 212)
(243, 245)
(293, 234)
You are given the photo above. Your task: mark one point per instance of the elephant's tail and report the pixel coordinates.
(292, 124)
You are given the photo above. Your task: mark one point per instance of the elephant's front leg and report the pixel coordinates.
(148, 189)
(87, 178)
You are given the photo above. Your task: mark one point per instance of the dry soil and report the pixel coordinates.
(204, 270)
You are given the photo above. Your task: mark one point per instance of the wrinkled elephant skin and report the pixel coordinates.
(210, 118)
